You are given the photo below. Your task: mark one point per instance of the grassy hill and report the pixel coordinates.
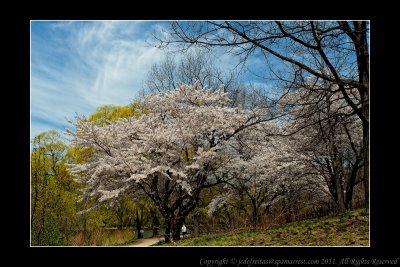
(350, 229)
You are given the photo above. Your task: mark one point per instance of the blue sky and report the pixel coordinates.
(77, 66)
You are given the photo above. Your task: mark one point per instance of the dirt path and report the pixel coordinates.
(145, 242)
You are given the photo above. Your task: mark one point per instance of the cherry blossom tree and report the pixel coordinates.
(268, 169)
(171, 152)
(330, 135)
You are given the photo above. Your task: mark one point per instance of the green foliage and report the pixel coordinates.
(111, 113)
(187, 154)
(53, 197)
(78, 155)
(54, 193)
(125, 212)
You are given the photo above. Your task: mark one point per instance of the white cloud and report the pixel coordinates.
(78, 66)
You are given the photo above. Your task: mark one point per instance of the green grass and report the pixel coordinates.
(350, 229)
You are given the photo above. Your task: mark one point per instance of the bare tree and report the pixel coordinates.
(330, 134)
(295, 51)
(194, 65)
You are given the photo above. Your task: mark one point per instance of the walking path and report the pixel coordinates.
(145, 242)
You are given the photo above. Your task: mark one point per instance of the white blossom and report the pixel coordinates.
(181, 136)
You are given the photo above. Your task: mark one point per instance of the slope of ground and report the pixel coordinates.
(350, 229)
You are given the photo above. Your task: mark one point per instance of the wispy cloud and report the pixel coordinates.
(78, 66)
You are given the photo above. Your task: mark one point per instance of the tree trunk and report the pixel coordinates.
(286, 212)
(176, 230)
(196, 220)
(120, 218)
(167, 234)
(44, 211)
(365, 150)
(35, 185)
(340, 195)
(155, 222)
(138, 224)
(173, 229)
(85, 237)
(254, 213)
(336, 166)
(366, 165)
(290, 206)
(350, 184)
(361, 45)
(349, 195)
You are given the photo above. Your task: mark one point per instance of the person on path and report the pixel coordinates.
(183, 230)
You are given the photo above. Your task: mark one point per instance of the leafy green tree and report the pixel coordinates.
(53, 192)
(111, 113)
